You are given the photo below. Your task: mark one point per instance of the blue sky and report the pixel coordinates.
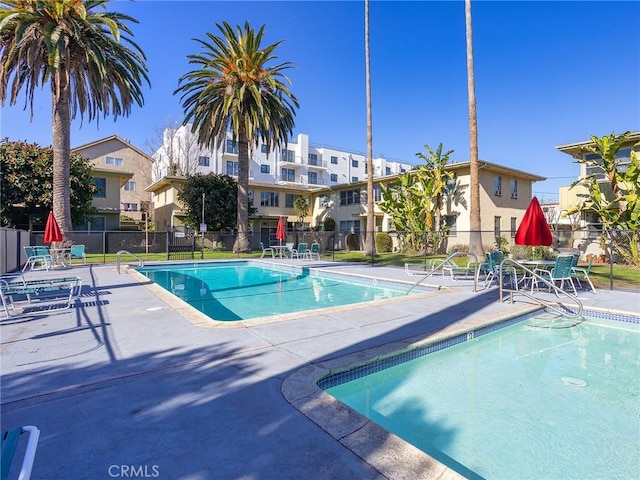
(547, 73)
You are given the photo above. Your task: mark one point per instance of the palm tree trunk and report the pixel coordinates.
(242, 240)
(61, 143)
(475, 237)
(370, 246)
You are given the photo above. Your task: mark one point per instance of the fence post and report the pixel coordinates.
(610, 259)
(333, 249)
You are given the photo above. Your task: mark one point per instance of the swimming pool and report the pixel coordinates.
(232, 291)
(515, 401)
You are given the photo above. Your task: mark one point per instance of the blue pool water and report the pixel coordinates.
(231, 291)
(523, 401)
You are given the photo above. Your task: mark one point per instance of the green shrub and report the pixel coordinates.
(353, 242)
(384, 244)
(460, 247)
(329, 224)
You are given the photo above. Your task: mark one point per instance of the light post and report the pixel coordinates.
(202, 229)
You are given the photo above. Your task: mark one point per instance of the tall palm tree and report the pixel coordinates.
(475, 236)
(233, 89)
(370, 245)
(90, 61)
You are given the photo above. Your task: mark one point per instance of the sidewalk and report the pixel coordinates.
(124, 384)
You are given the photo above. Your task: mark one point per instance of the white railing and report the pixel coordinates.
(557, 306)
(140, 261)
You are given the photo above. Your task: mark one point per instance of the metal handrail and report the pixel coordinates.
(439, 266)
(557, 307)
(140, 261)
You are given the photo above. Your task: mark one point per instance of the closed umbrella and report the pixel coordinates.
(52, 231)
(281, 234)
(534, 229)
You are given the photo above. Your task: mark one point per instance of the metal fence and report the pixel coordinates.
(595, 245)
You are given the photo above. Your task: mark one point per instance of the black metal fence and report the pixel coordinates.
(596, 246)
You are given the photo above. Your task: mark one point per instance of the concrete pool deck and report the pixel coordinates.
(125, 385)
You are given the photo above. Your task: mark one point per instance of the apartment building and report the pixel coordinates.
(298, 163)
(121, 172)
(586, 236)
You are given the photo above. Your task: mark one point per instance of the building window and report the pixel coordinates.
(269, 199)
(232, 147)
(203, 161)
(250, 195)
(289, 199)
(115, 161)
(312, 178)
(349, 197)
(354, 179)
(232, 168)
(97, 224)
(350, 226)
(452, 223)
(402, 170)
(496, 227)
(354, 163)
(263, 148)
(514, 222)
(288, 156)
(513, 187)
(387, 170)
(377, 193)
(288, 174)
(334, 160)
(101, 187)
(497, 186)
(623, 160)
(313, 159)
(264, 169)
(130, 186)
(334, 177)
(130, 207)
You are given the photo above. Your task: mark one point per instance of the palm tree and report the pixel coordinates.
(370, 245)
(234, 89)
(88, 58)
(475, 236)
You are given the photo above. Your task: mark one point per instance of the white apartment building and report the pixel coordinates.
(299, 163)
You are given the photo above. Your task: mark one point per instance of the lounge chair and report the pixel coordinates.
(77, 252)
(46, 290)
(10, 440)
(38, 258)
(267, 250)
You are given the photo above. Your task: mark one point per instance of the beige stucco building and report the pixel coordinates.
(120, 172)
(504, 197)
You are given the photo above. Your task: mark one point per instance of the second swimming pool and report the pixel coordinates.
(536, 399)
(232, 291)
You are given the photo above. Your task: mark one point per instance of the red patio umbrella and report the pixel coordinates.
(281, 234)
(534, 229)
(52, 231)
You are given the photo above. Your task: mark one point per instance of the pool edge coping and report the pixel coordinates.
(358, 433)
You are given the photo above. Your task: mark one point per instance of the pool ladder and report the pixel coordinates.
(140, 261)
(558, 307)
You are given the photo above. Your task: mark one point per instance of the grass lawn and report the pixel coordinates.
(624, 276)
